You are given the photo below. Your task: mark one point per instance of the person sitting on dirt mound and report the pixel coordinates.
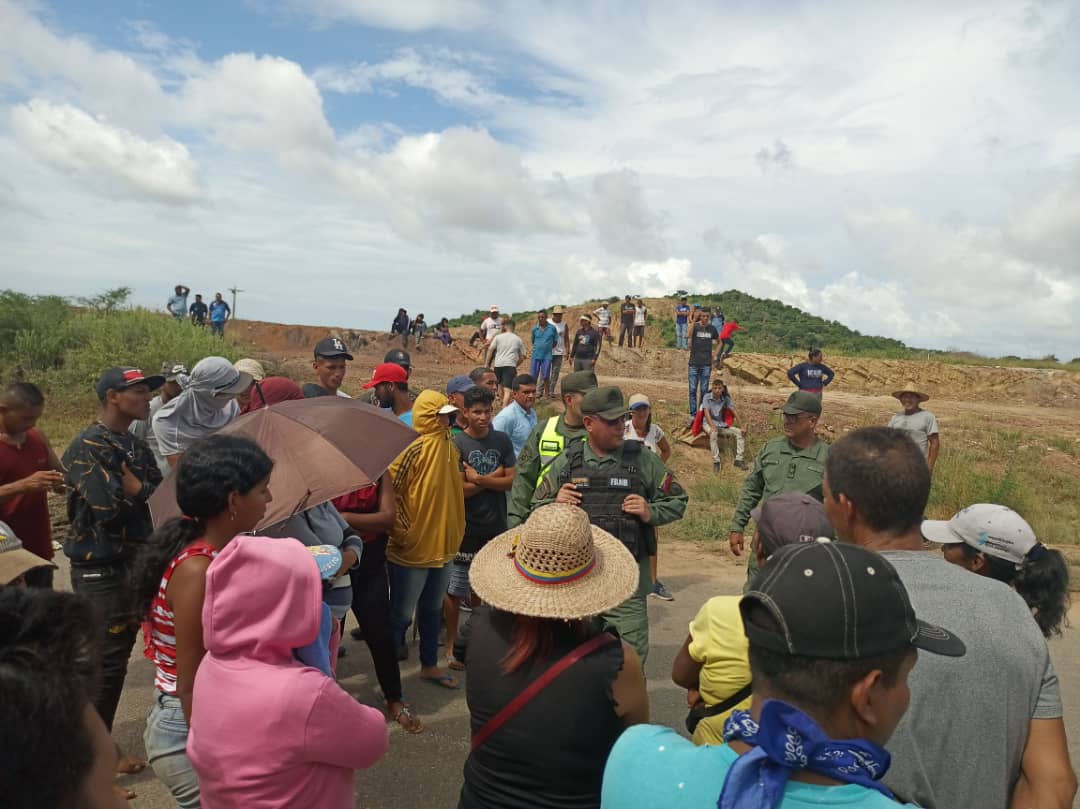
(920, 425)
(442, 332)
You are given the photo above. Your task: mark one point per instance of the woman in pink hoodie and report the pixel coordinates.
(267, 731)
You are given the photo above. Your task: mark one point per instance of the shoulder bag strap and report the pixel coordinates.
(539, 684)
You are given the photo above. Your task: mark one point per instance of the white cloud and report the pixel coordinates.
(113, 160)
(412, 15)
(622, 219)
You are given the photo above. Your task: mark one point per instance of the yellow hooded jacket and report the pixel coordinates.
(430, 519)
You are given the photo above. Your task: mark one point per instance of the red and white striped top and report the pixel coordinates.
(163, 623)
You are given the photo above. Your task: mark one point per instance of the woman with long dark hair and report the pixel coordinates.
(222, 490)
(997, 542)
(542, 584)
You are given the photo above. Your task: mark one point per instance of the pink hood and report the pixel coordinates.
(263, 599)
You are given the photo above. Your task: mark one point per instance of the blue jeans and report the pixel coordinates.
(419, 589)
(698, 375)
(217, 327)
(166, 741)
(680, 335)
(727, 345)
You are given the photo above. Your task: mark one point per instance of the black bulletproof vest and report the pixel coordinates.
(603, 492)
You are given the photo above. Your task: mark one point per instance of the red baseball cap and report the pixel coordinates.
(387, 372)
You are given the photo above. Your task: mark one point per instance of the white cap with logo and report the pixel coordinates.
(995, 530)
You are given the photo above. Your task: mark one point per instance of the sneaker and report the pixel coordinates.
(661, 592)
(740, 464)
(716, 466)
(356, 633)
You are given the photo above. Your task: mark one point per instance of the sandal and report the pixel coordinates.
(454, 664)
(411, 723)
(443, 681)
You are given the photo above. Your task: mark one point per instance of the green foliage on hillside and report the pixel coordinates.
(774, 327)
(64, 350)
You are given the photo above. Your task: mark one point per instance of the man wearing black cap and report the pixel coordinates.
(110, 474)
(546, 443)
(983, 731)
(793, 463)
(712, 664)
(330, 366)
(626, 491)
(830, 687)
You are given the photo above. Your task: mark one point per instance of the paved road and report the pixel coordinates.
(427, 768)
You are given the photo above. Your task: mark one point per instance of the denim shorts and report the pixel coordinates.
(458, 585)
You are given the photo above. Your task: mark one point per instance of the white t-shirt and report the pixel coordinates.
(508, 350)
(491, 327)
(652, 438)
(560, 344)
(343, 394)
(639, 316)
(603, 316)
(920, 425)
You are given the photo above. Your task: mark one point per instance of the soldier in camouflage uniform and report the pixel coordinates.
(624, 489)
(546, 442)
(794, 463)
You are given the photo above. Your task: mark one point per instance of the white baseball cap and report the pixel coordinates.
(994, 530)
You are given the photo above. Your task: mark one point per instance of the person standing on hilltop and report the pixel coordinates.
(626, 321)
(400, 325)
(682, 316)
(699, 367)
(505, 354)
(811, 376)
(198, 311)
(587, 343)
(920, 425)
(544, 337)
(603, 321)
(219, 315)
(177, 303)
(491, 325)
(559, 351)
(641, 312)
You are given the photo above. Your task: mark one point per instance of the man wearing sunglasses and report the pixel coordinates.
(792, 463)
(624, 490)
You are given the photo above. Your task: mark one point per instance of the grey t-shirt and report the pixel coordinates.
(141, 429)
(920, 425)
(507, 349)
(962, 739)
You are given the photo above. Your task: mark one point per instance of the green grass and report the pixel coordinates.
(64, 352)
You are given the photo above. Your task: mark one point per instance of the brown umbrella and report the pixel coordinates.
(322, 448)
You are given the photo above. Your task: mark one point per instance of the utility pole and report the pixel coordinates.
(234, 292)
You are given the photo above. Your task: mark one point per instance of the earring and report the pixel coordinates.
(232, 516)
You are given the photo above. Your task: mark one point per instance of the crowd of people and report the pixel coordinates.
(534, 543)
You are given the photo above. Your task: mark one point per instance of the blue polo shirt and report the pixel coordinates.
(682, 311)
(543, 341)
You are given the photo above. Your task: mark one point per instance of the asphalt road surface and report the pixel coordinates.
(426, 769)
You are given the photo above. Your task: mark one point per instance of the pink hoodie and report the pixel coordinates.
(268, 732)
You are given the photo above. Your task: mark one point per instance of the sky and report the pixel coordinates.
(909, 169)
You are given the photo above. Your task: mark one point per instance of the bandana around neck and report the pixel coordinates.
(786, 740)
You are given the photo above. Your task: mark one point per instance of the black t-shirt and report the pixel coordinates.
(586, 344)
(485, 512)
(627, 311)
(701, 340)
(198, 311)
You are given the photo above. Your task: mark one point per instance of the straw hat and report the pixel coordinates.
(250, 366)
(910, 387)
(555, 565)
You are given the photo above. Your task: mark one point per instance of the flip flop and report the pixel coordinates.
(413, 724)
(454, 664)
(443, 681)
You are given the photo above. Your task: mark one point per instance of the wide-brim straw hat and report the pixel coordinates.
(555, 565)
(910, 387)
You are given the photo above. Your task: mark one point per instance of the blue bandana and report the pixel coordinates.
(786, 740)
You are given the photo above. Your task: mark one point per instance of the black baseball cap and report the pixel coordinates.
(398, 356)
(607, 403)
(838, 601)
(789, 518)
(331, 348)
(123, 378)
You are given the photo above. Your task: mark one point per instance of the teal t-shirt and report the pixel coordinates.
(652, 766)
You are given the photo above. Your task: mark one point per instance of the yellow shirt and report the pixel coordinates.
(718, 642)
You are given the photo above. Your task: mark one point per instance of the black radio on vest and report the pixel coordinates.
(603, 492)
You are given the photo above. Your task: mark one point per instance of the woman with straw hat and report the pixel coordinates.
(920, 424)
(540, 669)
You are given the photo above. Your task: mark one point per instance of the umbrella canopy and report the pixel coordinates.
(322, 448)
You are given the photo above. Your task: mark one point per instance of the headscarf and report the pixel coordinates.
(430, 518)
(206, 404)
(271, 391)
(785, 741)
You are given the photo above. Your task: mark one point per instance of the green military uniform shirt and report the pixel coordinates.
(780, 467)
(529, 466)
(666, 496)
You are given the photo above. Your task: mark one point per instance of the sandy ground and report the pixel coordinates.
(426, 769)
